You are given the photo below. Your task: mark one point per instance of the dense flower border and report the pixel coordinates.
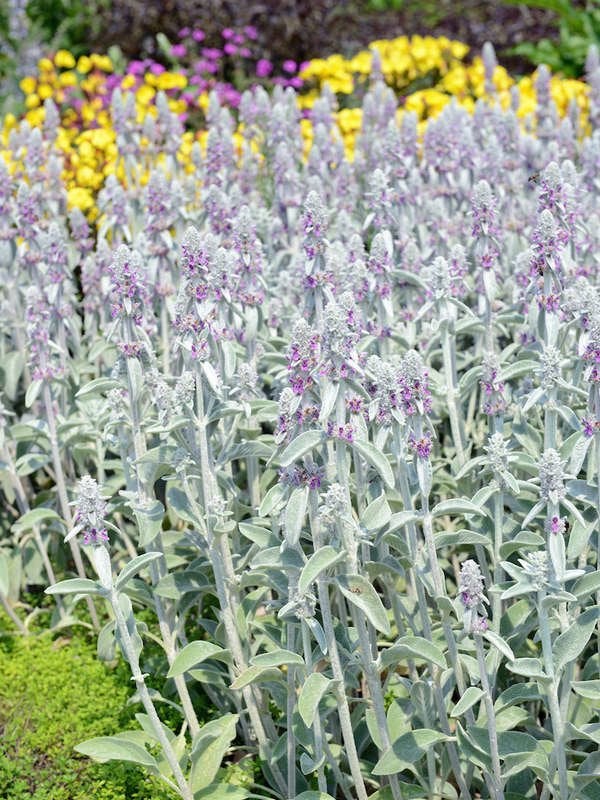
(84, 96)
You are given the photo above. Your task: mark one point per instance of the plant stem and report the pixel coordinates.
(132, 658)
(336, 666)
(491, 718)
(166, 621)
(553, 704)
(317, 728)
(454, 413)
(61, 488)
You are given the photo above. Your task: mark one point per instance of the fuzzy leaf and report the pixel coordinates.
(587, 689)
(361, 593)
(34, 517)
(114, 748)
(377, 460)
(413, 647)
(407, 750)
(192, 654)
(75, 586)
(301, 446)
(499, 644)
(529, 667)
(313, 796)
(272, 500)
(322, 559)
(377, 514)
(206, 759)
(276, 658)
(134, 567)
(571, 643)
(460, 506)
(313, 689)
(471, 696)
(255, 673)
(295, 512)
(149, 520)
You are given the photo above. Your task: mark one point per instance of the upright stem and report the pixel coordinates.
(553, 705)
(225, 579)
(144, 695)
(63, 498)
(291, 705)
(338, 672)
(317, 728)
(491, 718)
(166, 622)
(456, 423)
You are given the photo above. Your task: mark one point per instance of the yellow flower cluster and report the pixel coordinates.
(407, 63)
(403, 61)
(425, 72)
(86, 139)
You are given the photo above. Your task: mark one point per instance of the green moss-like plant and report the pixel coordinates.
(53, 695)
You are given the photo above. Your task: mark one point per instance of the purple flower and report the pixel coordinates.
(422, 446)
(314, 225)
(198, 35)
(230, 49)
(493, 400)
(263, 68)
(251, 32)
(472, 597)
(178, 50)
(90, 510)
(136, 67)
(289, 66)
(129, 290)
(45, 364)
(184, 32)
(227, 33)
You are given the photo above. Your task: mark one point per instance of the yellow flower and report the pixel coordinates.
(128, 82)
(84, 65)
(32, 101)
(45, 65)
(64, 59)
(36, 116)
(67, 78)
(101, 138)
(102, 63)
(349, 119)
(170, 80)
(27, 85)
(455, 81)
(86, 177)
(81, 198)
(45, 91)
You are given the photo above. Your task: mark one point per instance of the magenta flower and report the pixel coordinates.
(136, 68)
(156, 68)
(183, 33)
(212, 53)
(251, 32)
(227, 33)
(289, 66)
(263, 68)
(230, 49)
(178, 50)
(198, 35)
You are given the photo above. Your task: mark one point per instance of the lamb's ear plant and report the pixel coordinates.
(319, 445)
